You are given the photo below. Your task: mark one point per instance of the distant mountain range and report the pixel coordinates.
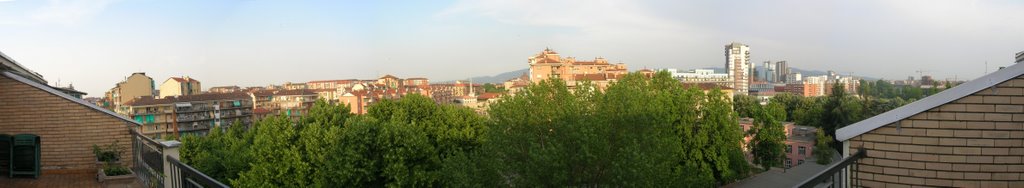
(513, 74)
(497, 79)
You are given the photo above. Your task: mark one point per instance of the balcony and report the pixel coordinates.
(157, 165)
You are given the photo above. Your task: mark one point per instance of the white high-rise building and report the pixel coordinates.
(737, 64)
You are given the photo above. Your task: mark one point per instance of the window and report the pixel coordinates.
(789, 162)
(789, 149)
(802, 151)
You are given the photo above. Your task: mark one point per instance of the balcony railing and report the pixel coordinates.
(148, 156)
(157, 165)
(183, 175)
(835, 176)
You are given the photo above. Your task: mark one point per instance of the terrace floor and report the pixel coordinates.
(59, 180)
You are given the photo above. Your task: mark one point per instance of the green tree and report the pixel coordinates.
(822, 148)
(769, 136)
(492, 88)
(276, 160)
(745, 105)
(220, 155)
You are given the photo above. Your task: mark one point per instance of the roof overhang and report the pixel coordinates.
(8, 63)
(930, 102)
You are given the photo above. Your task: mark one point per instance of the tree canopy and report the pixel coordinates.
(639, 132)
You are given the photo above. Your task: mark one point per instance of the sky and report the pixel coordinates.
(93, 44)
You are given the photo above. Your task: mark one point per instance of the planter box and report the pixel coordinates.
(115, 181)
(101, 164)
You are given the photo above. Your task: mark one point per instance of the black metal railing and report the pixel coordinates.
(185, 176)
(834, 176)
(148, 156)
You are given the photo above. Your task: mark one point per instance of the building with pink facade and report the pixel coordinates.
(800, 142)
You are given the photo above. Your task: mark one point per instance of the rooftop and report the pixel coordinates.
(143, 101)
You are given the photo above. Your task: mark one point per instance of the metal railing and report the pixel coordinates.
(835, 176)
(148, 156)
(188, 177)
(151, 158)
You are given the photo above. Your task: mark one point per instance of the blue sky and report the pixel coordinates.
(94, 44)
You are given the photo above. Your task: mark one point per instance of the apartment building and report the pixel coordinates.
(178, 86)
(450, 92)
(364, 95)
(291, 103)
(514, 85)
(699, 76)
(134, 86)
(225, 89)
(806, 89)
(416, 82)
(331, 84)
(190, 114)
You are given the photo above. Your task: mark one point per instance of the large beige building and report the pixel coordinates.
(549, 64)
(178, 86)
(135, 86)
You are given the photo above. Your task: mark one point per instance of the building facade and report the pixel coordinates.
(698, 76)
(225, 89)
(178, 86)
(190, 114)
(738, 66)
(800, 141)
(782, 72)
(134, 86)
(549, 64)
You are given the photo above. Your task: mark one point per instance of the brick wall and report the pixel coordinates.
(975, 141)
(67, 130)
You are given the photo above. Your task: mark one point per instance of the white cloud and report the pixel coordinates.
(69, 12)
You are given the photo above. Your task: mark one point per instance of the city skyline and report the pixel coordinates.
(95, 44)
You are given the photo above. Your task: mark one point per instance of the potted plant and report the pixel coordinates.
(115, 175)
(109, 154)
(111, 173)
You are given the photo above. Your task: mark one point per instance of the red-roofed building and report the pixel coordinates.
(549, 64)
